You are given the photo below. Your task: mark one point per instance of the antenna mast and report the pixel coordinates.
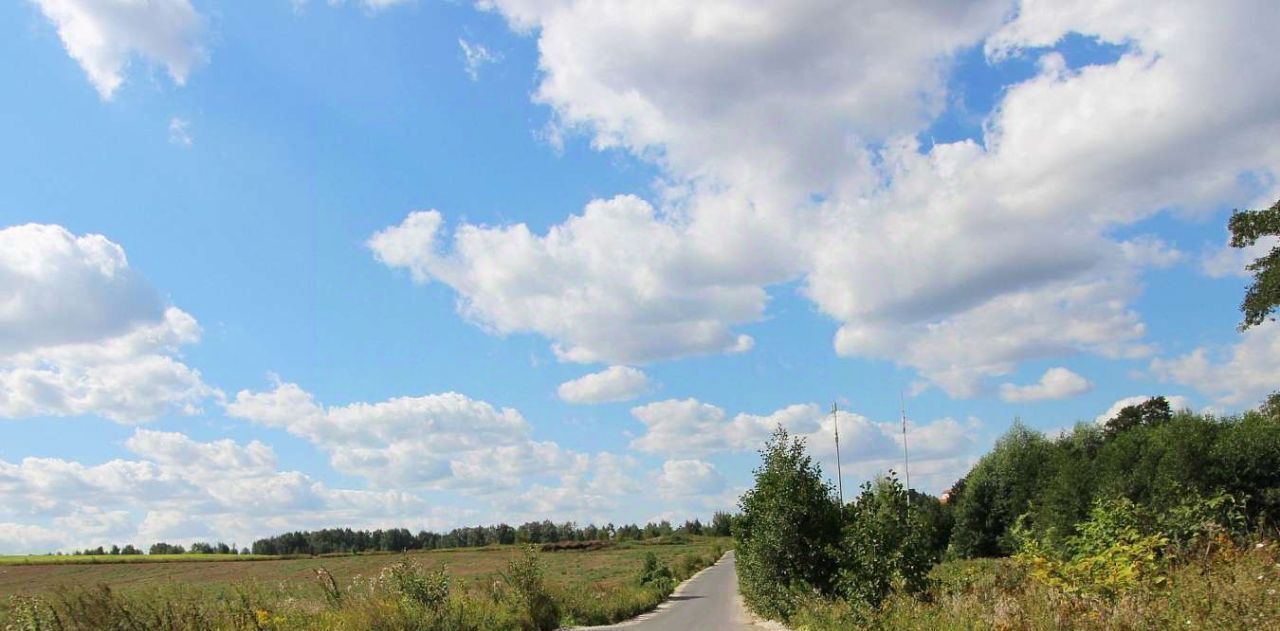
(835, 423)
(906, 462)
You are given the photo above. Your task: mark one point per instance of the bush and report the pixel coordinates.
(885, 548)
(655, 574)
(538, 610)
(1114, 553)
(788, 529)
(415, 586)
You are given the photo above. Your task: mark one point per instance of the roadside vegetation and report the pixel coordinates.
(1155, 519)
(496, 588)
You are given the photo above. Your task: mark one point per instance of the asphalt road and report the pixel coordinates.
(708, 602)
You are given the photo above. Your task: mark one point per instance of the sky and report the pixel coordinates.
(273, 265)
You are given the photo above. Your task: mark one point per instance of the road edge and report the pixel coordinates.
(662, 606)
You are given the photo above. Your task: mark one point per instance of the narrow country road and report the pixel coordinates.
(708, 602)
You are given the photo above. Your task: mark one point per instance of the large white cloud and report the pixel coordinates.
(612, 284)
(1238, 376)
(615, 383)
(1055, 383)
(690, 429)
(179, 489)
(81, 332)
(434, 441)
(788, 137)
(686, 478)
(104, 36)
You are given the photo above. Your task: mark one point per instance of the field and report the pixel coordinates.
(588, 586)
(93, 559)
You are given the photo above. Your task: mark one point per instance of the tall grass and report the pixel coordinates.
(404, 595)
(1230, 588)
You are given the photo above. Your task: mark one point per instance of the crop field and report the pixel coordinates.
(601, 574)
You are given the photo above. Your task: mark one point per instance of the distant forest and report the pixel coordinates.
(346, 540)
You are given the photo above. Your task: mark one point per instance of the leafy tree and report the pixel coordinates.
(1263, 296)
(998, 490)
(884, 545)
(788, 528)
(721, 524)
(1153, 411)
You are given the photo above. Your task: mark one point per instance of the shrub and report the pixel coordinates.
(415, 586)
(1112, 554)
(885, 547)
(788, 529)
(538, 610)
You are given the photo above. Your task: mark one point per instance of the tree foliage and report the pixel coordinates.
(788, 528)
(1263, 296)
(885, 545)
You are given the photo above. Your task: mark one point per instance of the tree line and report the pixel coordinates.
(347, 540)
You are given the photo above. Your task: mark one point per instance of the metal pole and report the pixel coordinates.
(835, 422)
(906, 462)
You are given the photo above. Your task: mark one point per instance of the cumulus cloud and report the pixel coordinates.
(1227, 261)
(685, 478)
(611, 285)
(435, 441)
(1055, 383)
(1240, 375)
(1175, 402)
(179, 489)
(918, 251)
(615, 383)
(103, 37)
(691, 429)
(81, 332)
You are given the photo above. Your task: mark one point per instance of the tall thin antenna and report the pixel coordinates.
(835, 422)
(906, 462)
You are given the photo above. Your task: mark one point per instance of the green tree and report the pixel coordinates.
(721, 524)
(788, 529)
(998, 490)
(1263, 296)
(884, 545)
(1153, 411)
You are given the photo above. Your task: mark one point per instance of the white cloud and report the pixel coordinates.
(1241, 375)
(81, 332)
(686, 478)
(180, 132)
(1055, 383)
(615, 383)
(773, 174)
(614, 284)
(181, 489)
(1228, 261)
(104, 36)
(1175, 403)
(474, 56)
(434, 441)
(941, 450)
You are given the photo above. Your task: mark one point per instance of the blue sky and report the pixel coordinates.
(279, 265)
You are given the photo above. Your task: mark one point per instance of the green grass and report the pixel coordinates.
(587, 587)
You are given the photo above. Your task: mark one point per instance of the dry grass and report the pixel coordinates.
(588, 587)
(1235, 589)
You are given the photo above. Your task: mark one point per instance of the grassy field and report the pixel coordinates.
(75, 559)
(596, 586)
